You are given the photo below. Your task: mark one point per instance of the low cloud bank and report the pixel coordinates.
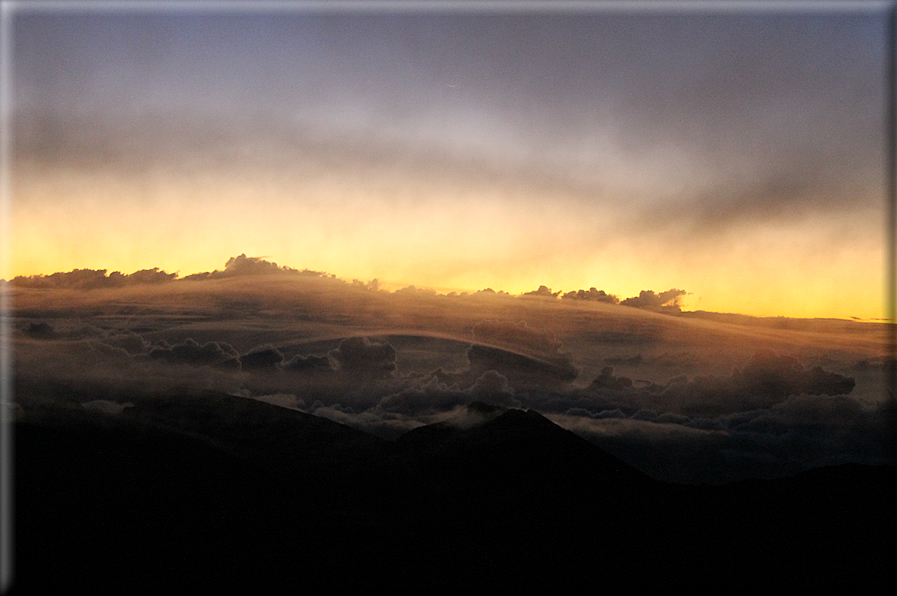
(242, 266)
(769, 415)
(88, 279)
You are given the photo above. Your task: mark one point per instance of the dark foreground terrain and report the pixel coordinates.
(218, 492)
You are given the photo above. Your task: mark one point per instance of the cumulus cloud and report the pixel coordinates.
(490, 292)
(261, 357)
(62, 331)
(87, 279)
(434, 396)
(373, 285)
(389, 425)
(607, 380)
(242, 265)
(526, 356)
(542, 291)
(636, 360)
(130, 342)
(517, 336)
(648, 299)
(40, 330)
(593, 295)
(283, 400)
(800, 432)
(414, 291)
(365, 358)
(523, 371)
(192, 353)
(106, 406)
(310, 363)
(767, 379)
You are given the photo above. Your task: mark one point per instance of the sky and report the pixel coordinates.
(735, 154)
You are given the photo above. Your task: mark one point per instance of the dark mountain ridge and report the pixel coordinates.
(220, 492)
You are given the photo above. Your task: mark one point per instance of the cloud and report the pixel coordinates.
(648, 299)
(88, 279)
(607, 380)
(40, 330)
(376, 421)
(261, 357)
(434, 396)
(310, 363)
(523, 354)
(360, 356)
(767, 379)
(242, 265)
(798, 433)
(130, 342)
(542, 291)
(636, 360)
(593, 294)
(284, 400)
(519, 337)
(109, 407)
(192, 353)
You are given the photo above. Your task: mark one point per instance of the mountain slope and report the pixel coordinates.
(212, 491)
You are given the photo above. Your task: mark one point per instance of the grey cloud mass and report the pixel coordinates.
(722, 117)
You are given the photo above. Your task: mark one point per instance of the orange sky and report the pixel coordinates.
(462, 153)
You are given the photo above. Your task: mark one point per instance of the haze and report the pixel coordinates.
(737, 155)
(683, 396)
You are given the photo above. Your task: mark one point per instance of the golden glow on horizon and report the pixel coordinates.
(847, 286)
(461, 239)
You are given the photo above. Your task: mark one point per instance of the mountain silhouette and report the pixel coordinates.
(213, 491)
